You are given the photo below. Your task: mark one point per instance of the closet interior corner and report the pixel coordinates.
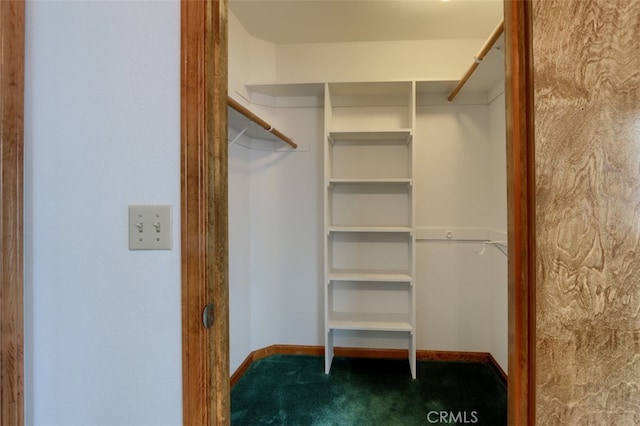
(387, 229)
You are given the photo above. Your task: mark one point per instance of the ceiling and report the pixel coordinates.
(327, 21)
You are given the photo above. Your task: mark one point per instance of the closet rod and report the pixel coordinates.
(478, 58)
(259, 121)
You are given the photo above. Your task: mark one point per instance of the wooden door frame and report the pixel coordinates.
(204, 211)
(521, 210)
(521, 219)
(11, 212)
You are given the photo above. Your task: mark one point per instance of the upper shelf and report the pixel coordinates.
(373, 181)
(477, 88)
(371, 229)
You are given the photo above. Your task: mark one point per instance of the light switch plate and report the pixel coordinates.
(150, 227)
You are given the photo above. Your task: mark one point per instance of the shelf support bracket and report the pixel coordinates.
(238, 136)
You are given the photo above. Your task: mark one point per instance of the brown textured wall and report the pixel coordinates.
(587, 118)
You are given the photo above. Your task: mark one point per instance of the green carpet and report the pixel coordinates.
(293, 390)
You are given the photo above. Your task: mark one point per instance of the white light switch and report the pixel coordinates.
(150, 227)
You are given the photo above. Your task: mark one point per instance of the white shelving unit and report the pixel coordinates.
(369, 211)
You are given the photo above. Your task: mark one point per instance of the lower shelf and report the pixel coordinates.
(340, 322)
(368, 321)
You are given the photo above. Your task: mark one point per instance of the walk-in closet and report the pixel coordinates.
(367, 211)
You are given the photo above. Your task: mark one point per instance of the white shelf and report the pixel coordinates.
(483, 80)
(369, 276)
(370, 88)
(380, 181)
(400, 135)
(369, 321)
(372, 229)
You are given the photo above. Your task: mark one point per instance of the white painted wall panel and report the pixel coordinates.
(370, 160)
(375, 61)
(239, 255)
(451, 183)
(370, 205)
(452, 166)
(498, 158)
(498, 214)
(286, 224)
(497, 265)
(102, 131)
(249, 59)
(461, 183)
(454, 302)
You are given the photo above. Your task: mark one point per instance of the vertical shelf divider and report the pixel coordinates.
(412, 224)
(328, 333)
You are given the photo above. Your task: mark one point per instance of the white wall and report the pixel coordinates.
(286, 223)
(275, 217)
(249, 59)
(102, 121)
(498, 214)
(452, 166)
(245, 53)
(375, 61)
(240, 314)
(252, 60)
(461, 183)
(274, 226)
(498, 155)
(451, 189)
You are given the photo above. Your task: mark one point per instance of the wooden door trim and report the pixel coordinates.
(11, 212)
(521, 211)
(204, 211)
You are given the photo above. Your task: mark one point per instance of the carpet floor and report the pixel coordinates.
(293, 390)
